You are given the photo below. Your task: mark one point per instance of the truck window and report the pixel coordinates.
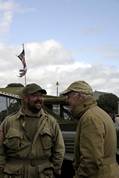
(8, 106)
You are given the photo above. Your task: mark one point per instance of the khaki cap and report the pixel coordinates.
(32, 88)
(79, 86)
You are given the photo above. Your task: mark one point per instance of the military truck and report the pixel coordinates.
(10, 102)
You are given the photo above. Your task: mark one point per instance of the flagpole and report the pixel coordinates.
(23, 46)
(25, 79)
(25, 73)
(57, 84)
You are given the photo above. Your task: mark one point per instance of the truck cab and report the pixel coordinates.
(10, 102)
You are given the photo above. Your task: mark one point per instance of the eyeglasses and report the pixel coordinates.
(72, 94)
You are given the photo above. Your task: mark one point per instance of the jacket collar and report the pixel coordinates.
(23, 112)
(83, 107)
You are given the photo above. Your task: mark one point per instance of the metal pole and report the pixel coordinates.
(25, 79)
(25, 62)
(57, 84)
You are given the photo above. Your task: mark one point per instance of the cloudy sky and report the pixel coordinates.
(65, 41)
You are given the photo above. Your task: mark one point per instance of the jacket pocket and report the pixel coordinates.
(13, 139)
(46, 139)
(14, 169)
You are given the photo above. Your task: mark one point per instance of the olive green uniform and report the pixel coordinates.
(31, 146)
(95, 148)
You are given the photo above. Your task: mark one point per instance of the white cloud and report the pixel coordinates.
(5, 22)
(48, 62)
(7, 5)
(8, 8)
(47, 53)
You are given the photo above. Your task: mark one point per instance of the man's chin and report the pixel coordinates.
(35, 110)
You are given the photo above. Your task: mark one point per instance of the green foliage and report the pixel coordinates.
(15, 85)
(109, 102)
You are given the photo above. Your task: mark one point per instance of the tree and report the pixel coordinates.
(109, 102)
(15, 85)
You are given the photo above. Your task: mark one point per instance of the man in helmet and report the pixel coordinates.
(31, 143)
(95, 144)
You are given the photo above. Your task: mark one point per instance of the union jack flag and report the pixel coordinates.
(21, 56)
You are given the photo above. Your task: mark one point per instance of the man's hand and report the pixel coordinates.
(57, 173)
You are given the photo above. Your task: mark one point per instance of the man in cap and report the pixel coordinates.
(95, 143)
(31, 142)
